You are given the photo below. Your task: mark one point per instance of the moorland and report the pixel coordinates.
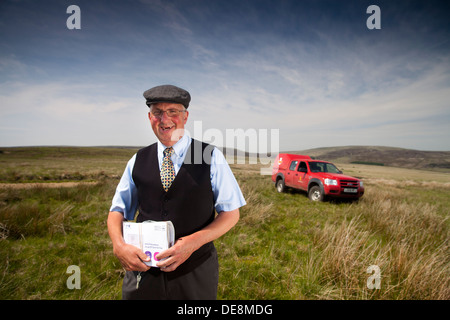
(54, 203)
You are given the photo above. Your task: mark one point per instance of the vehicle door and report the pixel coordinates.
(302, 177)
(290, 174)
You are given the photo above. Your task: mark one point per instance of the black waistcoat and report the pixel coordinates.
(189, 202)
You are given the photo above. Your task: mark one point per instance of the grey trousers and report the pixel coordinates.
(198, 284)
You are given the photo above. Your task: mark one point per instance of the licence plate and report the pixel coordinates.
(350, 190)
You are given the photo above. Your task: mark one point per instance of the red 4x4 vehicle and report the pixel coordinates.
(320, 179)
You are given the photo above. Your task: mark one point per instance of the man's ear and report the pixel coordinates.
(186, 116)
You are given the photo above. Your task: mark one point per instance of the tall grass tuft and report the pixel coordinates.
(24, 213)
(44, 230)
(409, 243)
(257, 211)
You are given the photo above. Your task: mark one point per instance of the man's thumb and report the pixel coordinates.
(144, 257)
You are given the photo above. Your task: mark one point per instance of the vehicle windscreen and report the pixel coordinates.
(323, 167)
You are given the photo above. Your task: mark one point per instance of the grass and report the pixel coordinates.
(47, 229)
(45, 164)
(284, 246)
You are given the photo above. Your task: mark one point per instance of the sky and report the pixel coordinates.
(311, 73)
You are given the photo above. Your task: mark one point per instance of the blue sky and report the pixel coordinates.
(310, 69)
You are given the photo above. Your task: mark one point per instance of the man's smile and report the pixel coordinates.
(166, 128)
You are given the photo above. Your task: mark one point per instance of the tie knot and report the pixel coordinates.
(168, 151)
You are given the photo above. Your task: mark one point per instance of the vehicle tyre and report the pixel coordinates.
(281, 187)
(315, 194)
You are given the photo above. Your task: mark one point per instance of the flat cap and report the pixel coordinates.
(167, 93)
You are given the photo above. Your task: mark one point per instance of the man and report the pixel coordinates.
(182, 180)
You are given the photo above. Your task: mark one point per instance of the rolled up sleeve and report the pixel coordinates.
(227, 194)
(125, 199)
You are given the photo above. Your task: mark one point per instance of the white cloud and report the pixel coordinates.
(318, 86)
(65, 113)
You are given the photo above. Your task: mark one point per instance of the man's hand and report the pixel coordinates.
(176, 255)
(185, 246)
(131, 257)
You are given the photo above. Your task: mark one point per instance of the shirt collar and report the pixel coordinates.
(180, 147)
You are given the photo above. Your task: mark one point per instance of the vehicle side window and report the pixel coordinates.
(293, 165)
(302, 165)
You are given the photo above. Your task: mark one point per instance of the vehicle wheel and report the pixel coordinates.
(315, 194)
(281, 187)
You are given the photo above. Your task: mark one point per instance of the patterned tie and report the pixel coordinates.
(167, 170)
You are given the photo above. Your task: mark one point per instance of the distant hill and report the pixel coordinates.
(387, 156)
(370, 155)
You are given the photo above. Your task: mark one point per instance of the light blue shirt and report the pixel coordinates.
(227, 194)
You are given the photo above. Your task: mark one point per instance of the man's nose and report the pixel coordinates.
(165, 117)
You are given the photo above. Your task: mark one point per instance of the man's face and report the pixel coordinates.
(168, 128)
